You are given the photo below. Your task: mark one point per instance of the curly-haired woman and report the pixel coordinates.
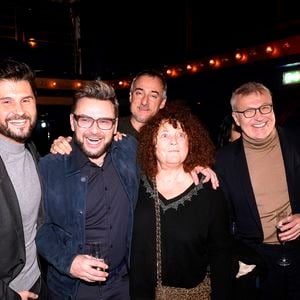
(194, 219)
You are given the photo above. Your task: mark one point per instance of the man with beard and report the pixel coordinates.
(89, 197)
(20, 189)
(147, 96)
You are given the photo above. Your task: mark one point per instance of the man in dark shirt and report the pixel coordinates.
(148, 94)
(89, 197)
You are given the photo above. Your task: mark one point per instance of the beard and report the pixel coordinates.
(18, 135)
(94, 154)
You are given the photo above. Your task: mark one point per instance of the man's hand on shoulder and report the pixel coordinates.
(61, 145)
(209, 174)
(118, 136)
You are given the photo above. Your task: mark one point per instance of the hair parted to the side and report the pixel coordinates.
(201, 148)
(99, 90)
(17, 71)
(154, 74)
(247, 89)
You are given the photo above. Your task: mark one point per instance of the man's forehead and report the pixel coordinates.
(94, 105)
(149, 83)
(148, 90)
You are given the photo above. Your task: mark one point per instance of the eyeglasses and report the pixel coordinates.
(251, 112)
(88, 122)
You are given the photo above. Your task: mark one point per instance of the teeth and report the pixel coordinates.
(259, 125)
(93, 140)
(17, 122)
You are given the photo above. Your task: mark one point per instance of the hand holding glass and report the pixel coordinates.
(97, 252)
(283, 261)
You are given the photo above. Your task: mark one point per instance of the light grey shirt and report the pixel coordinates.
(21, 169)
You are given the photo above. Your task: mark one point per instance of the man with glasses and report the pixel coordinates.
(89, 198)
(147, 95)
(260, 175)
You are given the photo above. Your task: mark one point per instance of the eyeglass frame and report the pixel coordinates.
(77, 118)
(255, 110)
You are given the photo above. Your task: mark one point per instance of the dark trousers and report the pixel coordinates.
(246, 287)
(115, 288)
(279, 283)
(40, 288)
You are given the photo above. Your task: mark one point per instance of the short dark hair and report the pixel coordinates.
(97, 89)
(14, 70)
(151, 73)
(226, 127)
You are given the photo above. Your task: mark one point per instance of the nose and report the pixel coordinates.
(18, 108)
(144, 100)
(94, 128)
(173, 140)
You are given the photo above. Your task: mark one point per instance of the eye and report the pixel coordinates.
(164, 135)
(249, 112)
(265, 108)
(27, 100)
(154, 96)
(104, 121)
(138, 93)
(181, 135)
(85, 119)
(5, 101)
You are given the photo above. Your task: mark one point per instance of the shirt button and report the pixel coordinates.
(83, 179)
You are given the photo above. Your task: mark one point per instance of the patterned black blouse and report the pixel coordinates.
(195, 235)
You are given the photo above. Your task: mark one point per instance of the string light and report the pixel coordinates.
(78, 84)
(279, 48)
(32, 43)
(241, 57)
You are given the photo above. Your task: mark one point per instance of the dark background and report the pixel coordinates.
(119, 38)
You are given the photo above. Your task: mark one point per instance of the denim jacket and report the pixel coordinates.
(62, 236)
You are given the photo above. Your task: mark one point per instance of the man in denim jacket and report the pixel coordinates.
(89, 197)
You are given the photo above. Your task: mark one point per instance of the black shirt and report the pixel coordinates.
(106, 209)
(125, 126)
(195, 234)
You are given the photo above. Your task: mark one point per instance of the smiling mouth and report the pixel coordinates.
(260, 125)
(94, 141)
(18, 123)
(141, 108)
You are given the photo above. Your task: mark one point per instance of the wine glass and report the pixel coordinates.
(96, 250)
(283, 261)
